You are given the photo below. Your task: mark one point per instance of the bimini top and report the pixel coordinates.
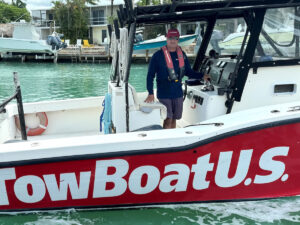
(196, 11)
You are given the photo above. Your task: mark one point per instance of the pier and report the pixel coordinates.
(79, 54)
(75, 54)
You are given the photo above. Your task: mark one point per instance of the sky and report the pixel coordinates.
(40, 4)
(34, 4)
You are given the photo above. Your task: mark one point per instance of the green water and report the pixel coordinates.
(44, 81)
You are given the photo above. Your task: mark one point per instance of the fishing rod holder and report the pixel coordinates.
(18, 96)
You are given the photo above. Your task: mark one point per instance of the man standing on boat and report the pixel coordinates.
(169, 65)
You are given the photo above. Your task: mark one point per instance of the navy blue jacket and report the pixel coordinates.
(158, 67)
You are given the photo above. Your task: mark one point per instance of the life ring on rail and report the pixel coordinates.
(37, 130)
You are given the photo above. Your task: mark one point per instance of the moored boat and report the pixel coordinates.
(237, 140)
(26, 41)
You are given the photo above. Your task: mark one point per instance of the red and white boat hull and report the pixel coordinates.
(256, 162)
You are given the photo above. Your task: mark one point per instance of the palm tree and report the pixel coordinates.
(19, 3)
(112, 8)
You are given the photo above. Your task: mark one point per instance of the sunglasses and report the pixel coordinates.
(173, 38)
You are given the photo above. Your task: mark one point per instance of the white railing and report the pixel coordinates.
(45, 23)
(98, 20)
(91, 21)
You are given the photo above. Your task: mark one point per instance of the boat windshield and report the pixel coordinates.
(279, 38)
(228, 36)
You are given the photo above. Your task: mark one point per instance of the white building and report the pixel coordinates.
(97, 21)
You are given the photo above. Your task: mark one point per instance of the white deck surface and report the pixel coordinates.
(92, 144)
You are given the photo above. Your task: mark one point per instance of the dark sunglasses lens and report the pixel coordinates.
(173, 38)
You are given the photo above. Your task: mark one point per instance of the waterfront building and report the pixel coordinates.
(97, 20)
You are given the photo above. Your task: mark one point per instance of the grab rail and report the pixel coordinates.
(18, 97)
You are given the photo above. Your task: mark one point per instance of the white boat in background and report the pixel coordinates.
(12, 45)
(25, 40)
(272, 30)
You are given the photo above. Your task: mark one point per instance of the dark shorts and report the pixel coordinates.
(174, 107)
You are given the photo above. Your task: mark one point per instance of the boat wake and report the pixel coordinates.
(276, 211)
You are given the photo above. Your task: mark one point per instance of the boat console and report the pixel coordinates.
(207, 100)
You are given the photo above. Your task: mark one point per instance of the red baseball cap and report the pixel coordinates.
(173, 33)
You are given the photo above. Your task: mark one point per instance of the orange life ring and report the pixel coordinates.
(37, 130)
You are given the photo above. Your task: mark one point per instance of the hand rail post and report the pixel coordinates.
(20, 106)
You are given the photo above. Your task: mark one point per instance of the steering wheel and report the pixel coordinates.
(207, 62)
(204, 69)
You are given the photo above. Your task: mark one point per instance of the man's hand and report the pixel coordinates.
(206, 77)
(150, 99)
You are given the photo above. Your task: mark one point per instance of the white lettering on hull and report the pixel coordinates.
(267, 163)
(112, 177)
(222, 179)
(181, 177)
(201, 169)
(21, 189)
(5, 174)
(68, 181)
(135, 180)
(102, 178)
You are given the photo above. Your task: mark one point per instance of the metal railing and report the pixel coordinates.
(91, 21)
(97, 20)
(45, 23)
(18, 96)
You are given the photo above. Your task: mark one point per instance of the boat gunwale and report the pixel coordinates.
(152, 151)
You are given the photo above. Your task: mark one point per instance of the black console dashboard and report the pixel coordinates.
(220, 72)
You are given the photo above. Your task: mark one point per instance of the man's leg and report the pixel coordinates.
(168, 123)
(177, 108)
(173, 123)
(168, 120)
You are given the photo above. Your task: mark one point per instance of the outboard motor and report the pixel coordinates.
(55, 41)
(138, 38)
(51, 40)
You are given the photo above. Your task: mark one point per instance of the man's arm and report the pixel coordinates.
(152, 70)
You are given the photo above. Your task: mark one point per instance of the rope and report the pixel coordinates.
(123, 51)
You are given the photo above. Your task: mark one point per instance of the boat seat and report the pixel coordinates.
(139, 104)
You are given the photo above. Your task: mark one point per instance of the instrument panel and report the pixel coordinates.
(221, 70)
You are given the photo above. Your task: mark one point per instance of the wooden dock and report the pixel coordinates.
(75, 54)
(94, 54)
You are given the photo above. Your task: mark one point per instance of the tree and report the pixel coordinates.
(11, 13)
(148, 2)
(19, 4)
(111, 8)
(72, 17)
